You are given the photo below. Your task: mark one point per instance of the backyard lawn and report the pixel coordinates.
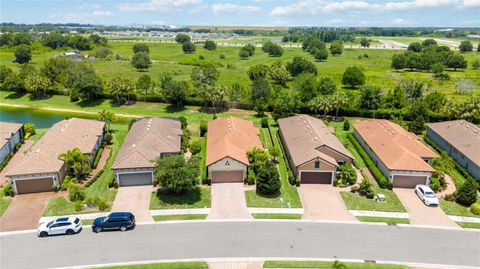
(4, 202)
(180, 217)
(356, 202)
(325, 264)
(199, 198)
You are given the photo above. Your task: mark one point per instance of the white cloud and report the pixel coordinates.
(83, 17)
(471, 3)
(336, 21)
(158, 22)
(316, 7)
(233, 8)
(158, 5)
(198, 8)
(400, 22)
(262, 1)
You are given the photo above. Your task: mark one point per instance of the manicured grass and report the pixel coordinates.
(199, 198)
(357, 202)
(176, 265)
(203, 156)
(471, 225)
(325, 264)
(454, 209)
(276, 216)
(287, 192)
(38, 134)
(386, 220)
(4, 202)
(265, 137)
(60, 206)
(342, 137)
(87, 221)
(180, 217)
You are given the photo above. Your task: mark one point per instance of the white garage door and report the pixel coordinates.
(135, 179)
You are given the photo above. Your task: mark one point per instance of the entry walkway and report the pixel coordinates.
(228, 202)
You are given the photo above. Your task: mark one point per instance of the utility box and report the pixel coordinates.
(380, 198)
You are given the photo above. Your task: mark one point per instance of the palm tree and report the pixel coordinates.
(108, 117)
(325, 105)
(216, 95)
(77, 164)
(339, 99)
(314, 105)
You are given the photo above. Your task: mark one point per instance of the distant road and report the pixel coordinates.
(201, 240)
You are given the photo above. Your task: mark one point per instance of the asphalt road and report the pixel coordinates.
(244, 239)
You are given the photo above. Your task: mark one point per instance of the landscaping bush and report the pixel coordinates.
(108, 138)
(55, 188)
(8, 190)
(131, 122)
(291, 178)
(437, 181)
(101, 204)
(250, 177)
(354, 189)
(268, 180)
(29, 128)
(347, 175)
(97, 157)
(346, 125)
(450, 197)
(76, 193)
(196, 147)
(379, 177)
(112, 182)
(364, 187)
(203, 127)
(176, 175)
(78, 206)
(475, 209)
(467, 194)
(264, 122)
(67, 182)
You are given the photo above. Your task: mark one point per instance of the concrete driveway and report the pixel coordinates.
(323, 202)
(136, 200)
(25, 211)
(228, 202)
(421, 214)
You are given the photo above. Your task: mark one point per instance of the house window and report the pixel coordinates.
(317, 164)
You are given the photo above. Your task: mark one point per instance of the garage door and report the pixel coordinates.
(408, 181)
(227, 176)
(136, 179)
(34, 185)
(316, 177)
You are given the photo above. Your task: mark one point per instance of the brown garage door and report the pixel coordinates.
(34, 185)
(316, 177)
(408, 181)
(227, 176)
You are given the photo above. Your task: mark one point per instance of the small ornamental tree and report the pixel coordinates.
(364, 42)
(188, 47)
(347, 174)
(268, 180)
(465, 46)
(141, 47)
(210, 45)
(203, 127)
(301, 65)
(243, 54)
(23, 54)
(176, 175)
(182, 38)
(353, 77)
(336, 48)
(398, 61)
(141, 61)
(196, 147)
(456, 61)
(321, 54)
(467, 194)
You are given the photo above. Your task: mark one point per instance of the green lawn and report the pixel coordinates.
(176, 265)
(4, 202)
(470, 225)
(60, 206)
(452, 208)
(276, 216)
(356, 202)
(38, 134)
(199, 198)
(386, 220)
(324, 264)
(265, 137)
(180, 217)
(287, 192)
(342, 137)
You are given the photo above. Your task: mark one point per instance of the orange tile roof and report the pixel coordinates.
(231, 137)
(396, 148)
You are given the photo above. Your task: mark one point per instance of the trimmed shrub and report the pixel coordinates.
(97, 157)
(264, 122)
(346, 125)
(203, 127)
(467, 194)
(475, 209)
(268, 180)
(29, 128)
(8, 190)
(108, 138)
(78, 206)
(76, 193)
(250, 178)
(196, 147)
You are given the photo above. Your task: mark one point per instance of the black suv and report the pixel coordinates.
(115, 221)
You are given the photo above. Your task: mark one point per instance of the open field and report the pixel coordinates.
(169, 58)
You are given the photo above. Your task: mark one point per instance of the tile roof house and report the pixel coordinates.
(228, 141)
(400, 155)
(41, 167)
(313, 150)
(461, 140)
(148, 139)
(11, 134)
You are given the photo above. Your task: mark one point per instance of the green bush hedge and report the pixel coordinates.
(97, 157)
(377, 174)
(90, 182)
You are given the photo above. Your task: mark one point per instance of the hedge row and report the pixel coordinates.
(98, 156)
(292, 179)
(377, 174)
(90, 182)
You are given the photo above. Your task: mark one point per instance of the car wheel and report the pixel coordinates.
(98, 229)
(43, 234)
(123, 228)
(70, 232)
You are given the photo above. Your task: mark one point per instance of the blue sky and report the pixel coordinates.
(246, 12)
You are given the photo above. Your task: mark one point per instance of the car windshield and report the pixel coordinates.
(429, 194)
(50, 224)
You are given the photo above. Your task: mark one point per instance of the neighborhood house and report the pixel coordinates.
(461, 140)
(399, 154)
(41, 167)
(148, 139)
(11, 134)
(228, 141)
(313, 150)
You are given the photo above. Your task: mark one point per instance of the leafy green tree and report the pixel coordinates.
(260, 94)
(398, 61)
(80, 42)
(429, 41)
(414, 60)
(456, 61)
(336, 48)
(396, 99)
(38, 85)
(465, 46)
(188, 47)
(353, 77)
(257, 71)
(476, 64)
(174, 92)
(88, 86)
(417, 126)
(23, 54)
(279, 74)
(275, 50)
(301, 65)
(236, 92)
(140, 47)
(364, 42)
(102, 52)
(306, 85)
(98, 40)
(257, 158)
(204, 78)
(250, 48)
(285, 104)
(274, 152)
(467, 194)
(54, 40)
(196, 147)
(210, 45)
(437, 69)
(243, 54)
(77, 164)
(436, 101)
(321, 54)
(60, 70)
(268, 180)
(419, 107)
(176, 175)
(415, 47)
(216, 96)
(182, 38)
(107, 117)
(326, 86)
(145, 84)
(120, 89)
(29, 128)
(370, 97)
(339, 99)
(347, 174)
(141, 61)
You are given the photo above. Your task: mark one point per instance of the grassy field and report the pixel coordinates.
(199, 198)
(176, 265)
(276, 216)
(60, 206)
(169, 58)
(325, 264)
(180, 217)
(4, 202)
(356, 202)
(386, 220)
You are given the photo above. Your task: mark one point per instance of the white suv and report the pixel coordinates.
(64, 225)
(426, 195)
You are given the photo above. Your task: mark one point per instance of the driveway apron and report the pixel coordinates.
(228, 202)
(323, 202)
(135, 200)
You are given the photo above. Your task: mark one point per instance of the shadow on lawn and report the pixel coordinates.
(188, 198)
(15, 95)
(86, 103)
